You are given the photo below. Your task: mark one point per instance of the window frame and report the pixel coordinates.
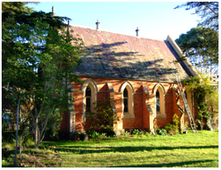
(158, 87)
(125, 98)
(130, 90)
(158, 99)
(88, 97)
(93, 86)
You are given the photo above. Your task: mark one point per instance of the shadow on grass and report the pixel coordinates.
(176, 164)
(88, 149)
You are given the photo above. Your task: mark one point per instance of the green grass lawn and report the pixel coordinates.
(181, 150)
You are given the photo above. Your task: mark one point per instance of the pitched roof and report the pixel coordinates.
(113, 55)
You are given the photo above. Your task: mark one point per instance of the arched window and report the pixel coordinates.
(125, 98)
(158, 101)
(88, 99)
(89, 89)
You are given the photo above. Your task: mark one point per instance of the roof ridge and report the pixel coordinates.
(116, 33)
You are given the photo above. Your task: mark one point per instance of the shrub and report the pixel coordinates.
(162, 132)
(126, 133)
(155, 127)
(77, 135)
(137, 132)
(206, 100)
(92, 134)
(147, 134)
(173, 127)
(104, 117)
(103, 135)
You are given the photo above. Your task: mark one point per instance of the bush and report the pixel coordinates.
(126, 133)
(8, 136)
(104, 117)
(162, 132)
(147, 134)
(92, 134)
(77, 135)
(137, 132)
(173, 127)
(103, 135)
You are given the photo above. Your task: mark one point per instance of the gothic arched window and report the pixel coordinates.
(127, 91)
(125, 98)
(88, 99)
(158, 101)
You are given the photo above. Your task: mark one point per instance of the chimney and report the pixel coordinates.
(53, 11)
(97, 23)
(137, 30)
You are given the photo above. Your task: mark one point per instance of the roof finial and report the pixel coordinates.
(97, 23)
(53, 11)
(137, 30)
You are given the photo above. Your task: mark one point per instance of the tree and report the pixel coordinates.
(208, 11)
(37, 55)
(200, 46)
(16, 7)
(61, 54)
(104, 117)
(205, 97)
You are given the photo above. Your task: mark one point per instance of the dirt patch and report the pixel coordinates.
(38, 158)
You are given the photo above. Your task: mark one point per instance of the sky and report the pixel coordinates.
(155, 20)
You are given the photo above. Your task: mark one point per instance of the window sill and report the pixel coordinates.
(127, 115)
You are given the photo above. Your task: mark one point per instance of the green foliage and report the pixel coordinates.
(77, 134)
(186, 128)
(104, 117)
(175, 119)
(93, 134)
(8, 136)
(126, 133)
(103, 135)
(162, 132)
(205, 96)
(137, 132)
(200, 46)
(16, 7)
(173, 127)
(37, 55)
(208, 11)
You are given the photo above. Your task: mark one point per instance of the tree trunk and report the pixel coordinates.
(16, 144)
(20, 147)
(36, 133)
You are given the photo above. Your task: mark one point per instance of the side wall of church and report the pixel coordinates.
(142, 116)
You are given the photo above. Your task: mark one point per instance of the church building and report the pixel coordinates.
(138, 73)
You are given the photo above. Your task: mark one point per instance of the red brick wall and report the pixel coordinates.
(141, 112)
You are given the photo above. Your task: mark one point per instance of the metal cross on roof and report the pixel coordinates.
(137, 31)
(97, 23)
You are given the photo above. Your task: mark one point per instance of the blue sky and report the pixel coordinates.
(155, 20)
